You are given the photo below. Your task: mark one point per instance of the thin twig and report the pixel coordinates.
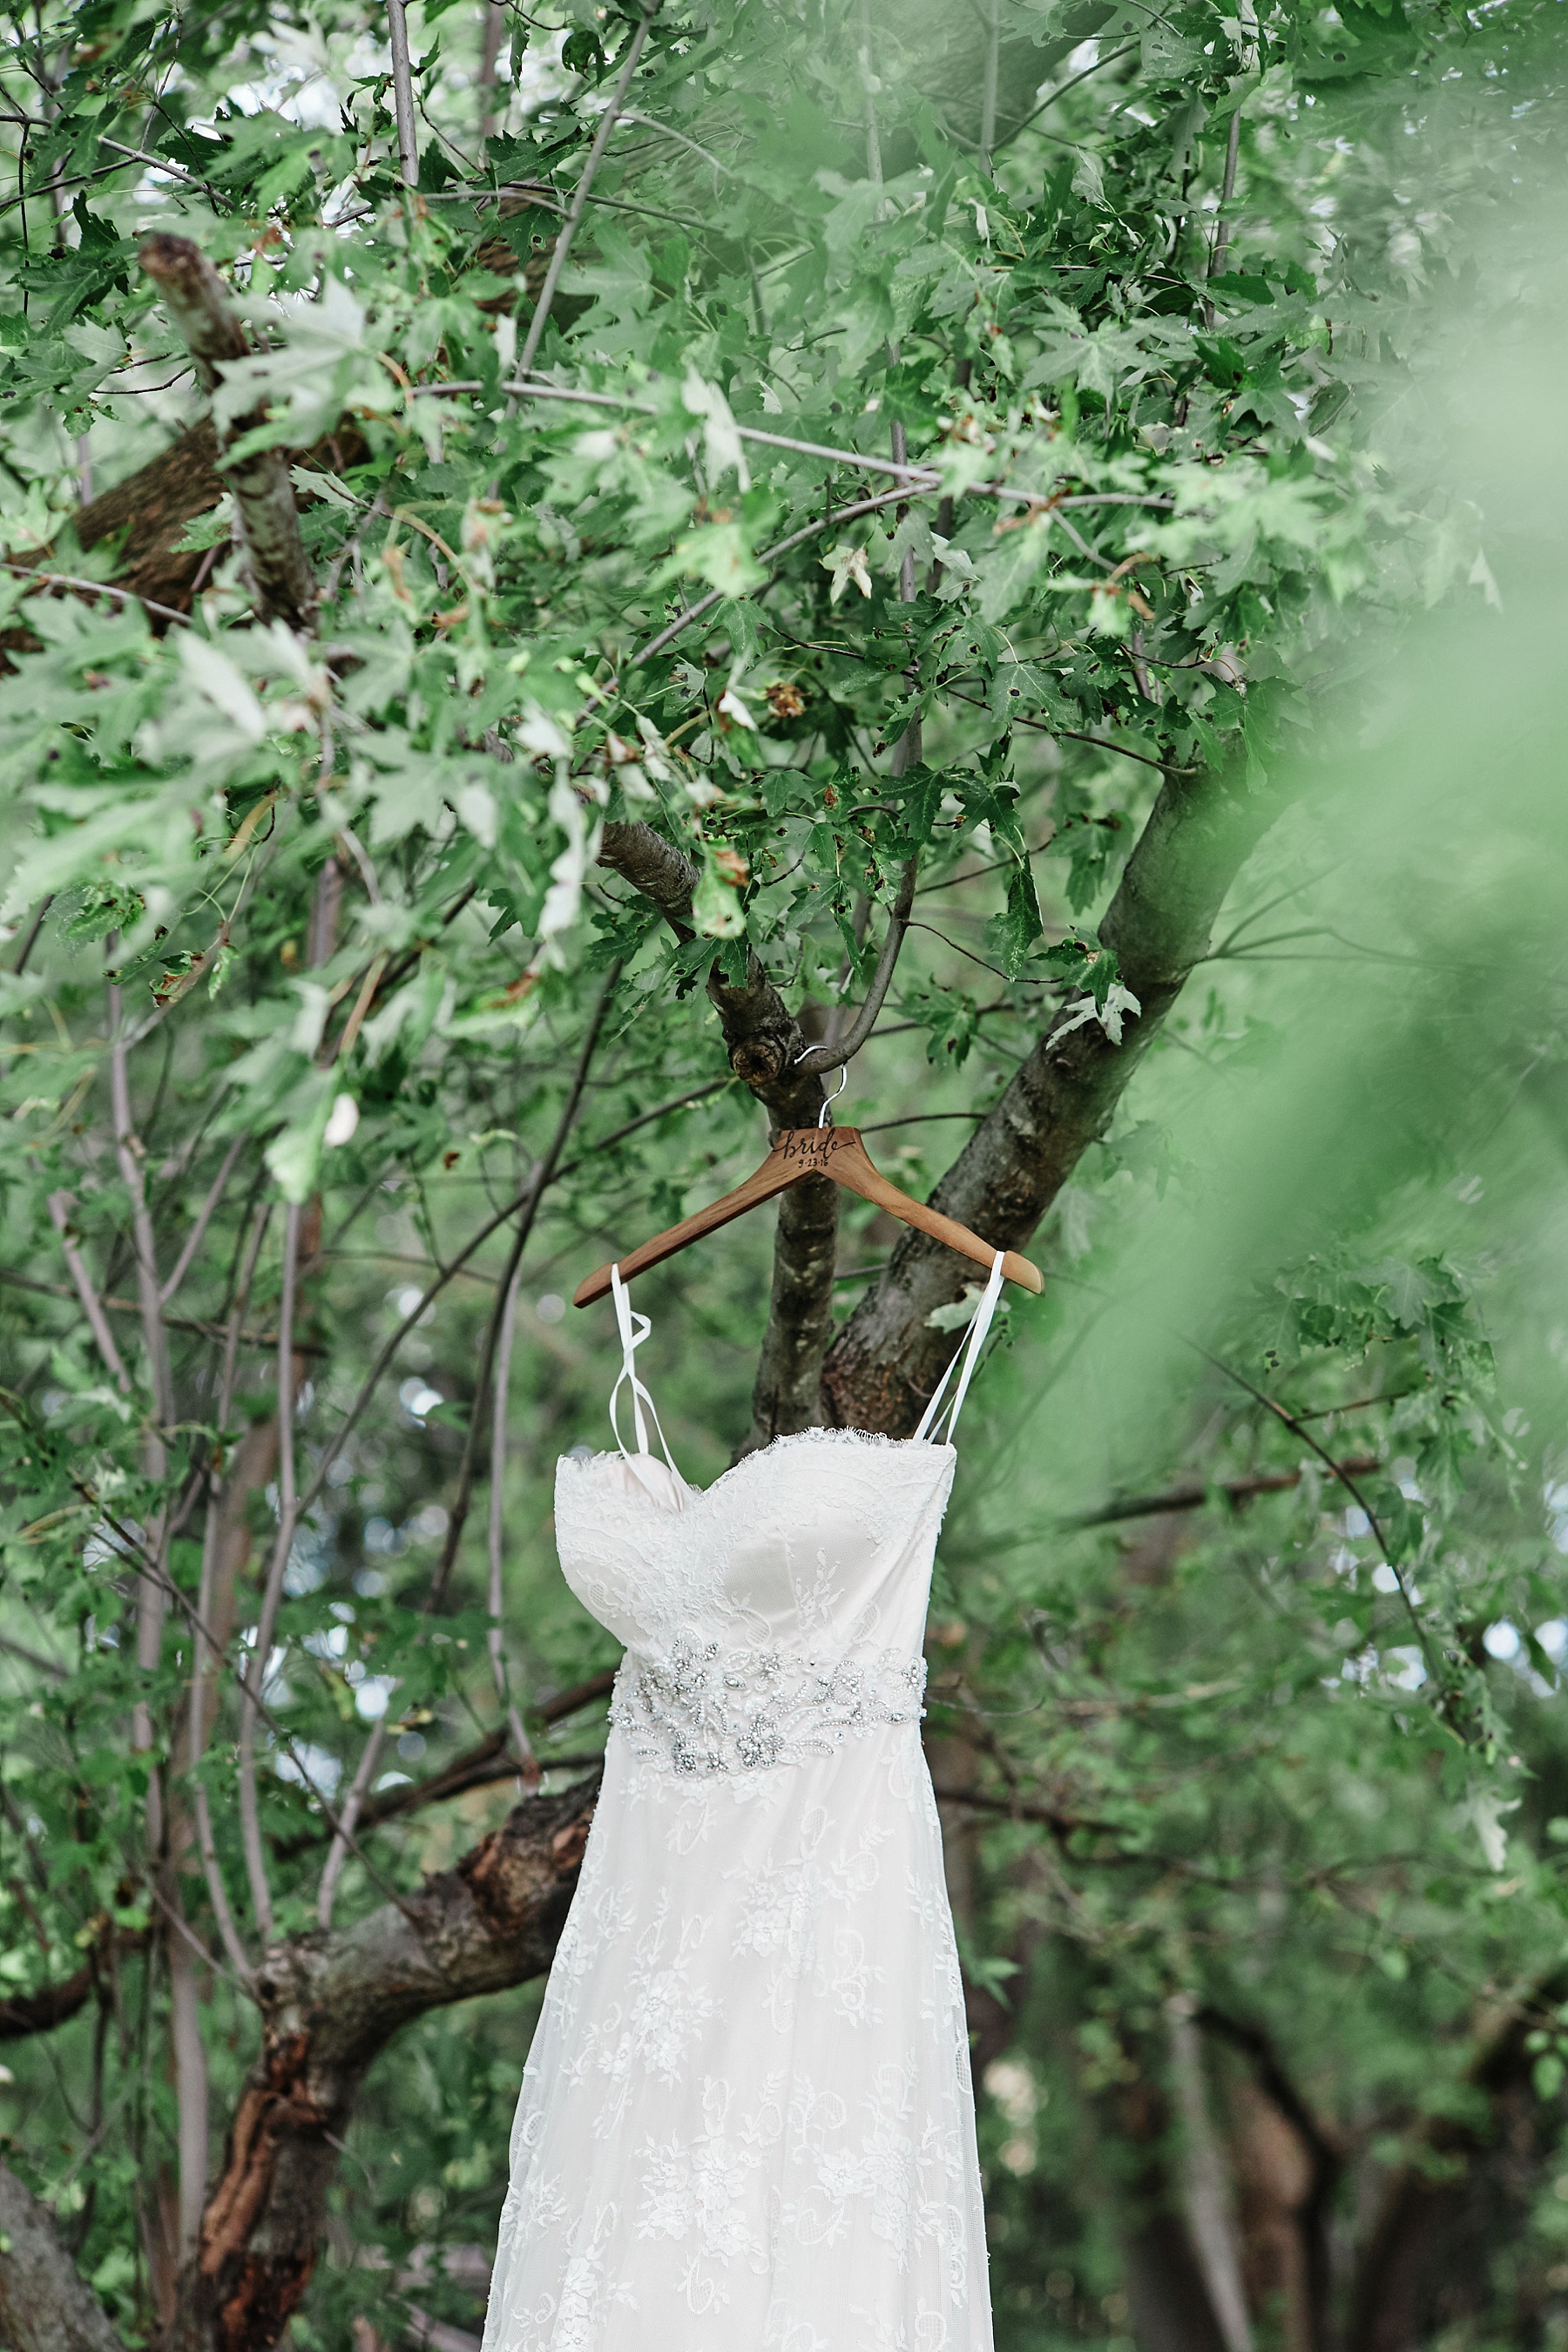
(158, 162)
(403, 93)
(923, 475)
(207, 1844)
(544, 1172)
(454, 1266)
(1109, 58)
(255, 1672)
(1194, 1497)
(128, 1547)
(490, 40)
(506, 1295)
(34, 1658)
(97, 588)
(59, 1205)
(843, 1049)
(337, 1851)
(204, 1217)
(988, 92)
(150, 1600)
(1347, 1481)
(522, 1747)
(202, 1327)
(619, 1134)
(31, 941)
(629, 114)
(1221, 226)
(867, 99)
(770, 555)
(569, 226)
(1070, 735)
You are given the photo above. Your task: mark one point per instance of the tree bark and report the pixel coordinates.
(1288, 2191)
(45, 2305)
(148, 513)
(282, 584)
(887, 1361)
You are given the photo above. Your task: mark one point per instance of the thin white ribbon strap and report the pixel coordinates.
(966, 1359)
(632, 1337)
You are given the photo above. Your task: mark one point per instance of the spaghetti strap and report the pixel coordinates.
(966, 1359)
(628, 1318)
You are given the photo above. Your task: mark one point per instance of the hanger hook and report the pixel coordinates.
(824, 1115)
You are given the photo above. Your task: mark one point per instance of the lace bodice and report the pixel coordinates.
(773, 1615)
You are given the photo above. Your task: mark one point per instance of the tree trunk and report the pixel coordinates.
(1169, 2298)
(887, 1360)
(45, 2305)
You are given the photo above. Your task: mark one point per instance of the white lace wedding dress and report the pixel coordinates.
(746, 2122)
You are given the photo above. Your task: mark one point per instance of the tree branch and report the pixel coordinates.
(477, 1768)
(840, 515)
(1417, 2244)
(23, 2014)
(353, 1806)
(887, 1360)
(522, 1747)
(280, 578)
(331, 2002)
(1325, 2156)
(768, 1051)
(506, 1296)
(1194, 1497)
(59, 1205)
(569, 226)
(203, 1218)
(543, 1171)
(403, 93)
(834, 1055)
(255, 1673)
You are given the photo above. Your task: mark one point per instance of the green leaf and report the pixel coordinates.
(719, 553)
(294, 1155)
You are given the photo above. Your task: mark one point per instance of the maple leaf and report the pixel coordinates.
(845, 563)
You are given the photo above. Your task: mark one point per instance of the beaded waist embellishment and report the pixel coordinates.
(695, 1708)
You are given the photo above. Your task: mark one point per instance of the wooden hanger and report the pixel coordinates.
(836, 1151)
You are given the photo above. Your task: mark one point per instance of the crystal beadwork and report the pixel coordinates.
(697, 1708)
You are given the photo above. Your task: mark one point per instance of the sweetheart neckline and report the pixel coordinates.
(866, 1437)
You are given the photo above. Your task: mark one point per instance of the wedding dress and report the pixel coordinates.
(746, 2123)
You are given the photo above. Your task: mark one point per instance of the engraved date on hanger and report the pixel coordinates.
(811, 1148)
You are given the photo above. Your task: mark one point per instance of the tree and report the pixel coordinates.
(647, 557)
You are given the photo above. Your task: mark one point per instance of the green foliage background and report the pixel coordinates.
(1291, 496)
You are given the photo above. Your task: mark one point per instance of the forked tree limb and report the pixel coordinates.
(331, 2002)
(887, 1360)
(282, 583)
